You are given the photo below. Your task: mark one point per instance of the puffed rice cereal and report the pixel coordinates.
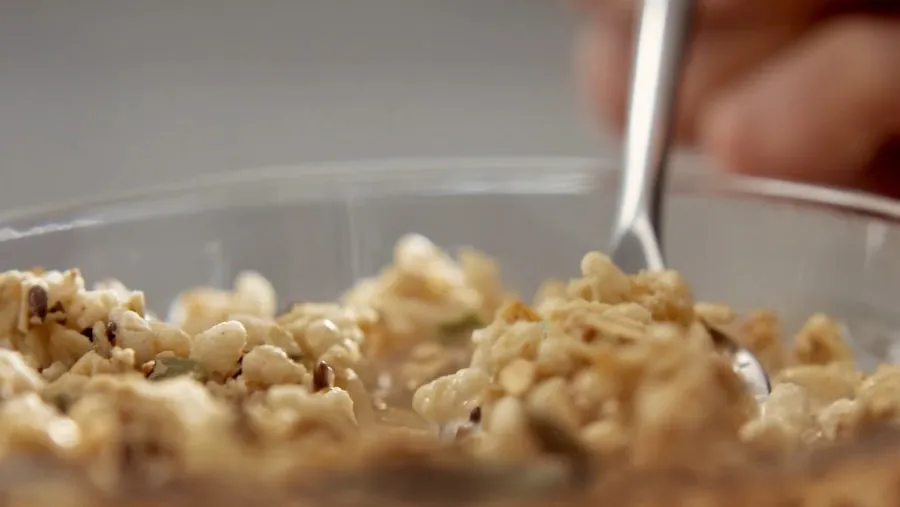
(431, 360)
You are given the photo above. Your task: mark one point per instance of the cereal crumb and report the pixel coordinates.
(821, 341)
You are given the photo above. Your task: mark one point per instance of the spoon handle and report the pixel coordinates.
(660, 46)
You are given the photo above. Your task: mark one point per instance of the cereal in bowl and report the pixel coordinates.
(430, 363)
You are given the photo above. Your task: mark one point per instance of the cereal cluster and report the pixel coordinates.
(431, 355)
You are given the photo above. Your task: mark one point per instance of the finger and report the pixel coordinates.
(724, 13)
(821, 111)
(716, 60)
(603, 63)
(580, 6)
(883, 175)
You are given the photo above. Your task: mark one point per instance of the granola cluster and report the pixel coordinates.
(431, 356)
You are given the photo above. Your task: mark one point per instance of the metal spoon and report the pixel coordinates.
(660, 46)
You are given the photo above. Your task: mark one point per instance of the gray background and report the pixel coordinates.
(102, 95)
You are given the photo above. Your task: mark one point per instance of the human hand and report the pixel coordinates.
(795, 89)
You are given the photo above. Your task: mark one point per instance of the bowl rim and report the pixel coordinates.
(447, 176)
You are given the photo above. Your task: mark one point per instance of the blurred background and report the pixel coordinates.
(102, 95)
(97, 96)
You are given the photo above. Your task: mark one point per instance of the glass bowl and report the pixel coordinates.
(313, 230)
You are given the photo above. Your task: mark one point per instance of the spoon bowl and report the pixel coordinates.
(662, 35)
